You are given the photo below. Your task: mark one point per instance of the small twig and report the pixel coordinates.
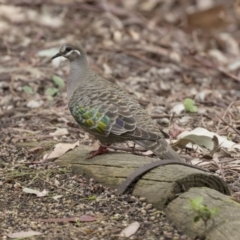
(25, 115)
(228, 161)
(63, 188)
(211, 65)
(11, 178)
(144, 59)
(222, 130)
(36, 162)
(33, 179)
(232, 166)
(137, 55)
(216, 161)
(230, 105)
(228, 74)
(234, 129)
(11, 86)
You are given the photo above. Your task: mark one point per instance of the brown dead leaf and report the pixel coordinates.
(83, 218)
(148, 6)
(59, 132)
(130, 230)
(230, 44)
(36, 192)
(204, 4)
(23, 234)
(60, 149)
(21, 14)
(208, 19)
(35, 103)
(35, 149)
(176, 130)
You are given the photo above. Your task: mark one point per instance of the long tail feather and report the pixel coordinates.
(161, 148)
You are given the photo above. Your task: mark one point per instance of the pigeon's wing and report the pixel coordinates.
(108, 113)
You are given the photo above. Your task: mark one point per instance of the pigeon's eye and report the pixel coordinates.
(68, 49)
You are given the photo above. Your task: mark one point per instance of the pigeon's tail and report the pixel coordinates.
(161, 148)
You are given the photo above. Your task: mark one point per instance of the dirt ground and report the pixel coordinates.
(161, 52)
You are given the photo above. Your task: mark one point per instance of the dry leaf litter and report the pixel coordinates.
(161, 52)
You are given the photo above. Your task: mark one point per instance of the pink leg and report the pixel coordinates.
(99, 151)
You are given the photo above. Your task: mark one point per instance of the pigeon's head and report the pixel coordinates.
(70, 52)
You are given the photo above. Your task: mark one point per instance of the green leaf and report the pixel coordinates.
(196, 202)
(215, 211)
(189, 105)
(51, 91)
(27, 89)
(206, 213)
(58, 81)
(94, 197)
(196, 219)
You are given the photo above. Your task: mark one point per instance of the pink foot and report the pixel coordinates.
(99, 151)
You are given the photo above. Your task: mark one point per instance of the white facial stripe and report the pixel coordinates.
(77, 52)
(69, 53)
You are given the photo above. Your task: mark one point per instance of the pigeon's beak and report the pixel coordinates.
(57, 55)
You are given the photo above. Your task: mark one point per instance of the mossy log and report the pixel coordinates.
(225, 225)
(168, 188)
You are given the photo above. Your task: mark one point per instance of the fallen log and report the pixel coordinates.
(168, 188)
(224, 226)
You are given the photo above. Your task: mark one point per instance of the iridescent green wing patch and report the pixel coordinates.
(102, 124)
(91, 118)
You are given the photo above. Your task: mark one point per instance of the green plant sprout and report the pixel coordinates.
(203, 212)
